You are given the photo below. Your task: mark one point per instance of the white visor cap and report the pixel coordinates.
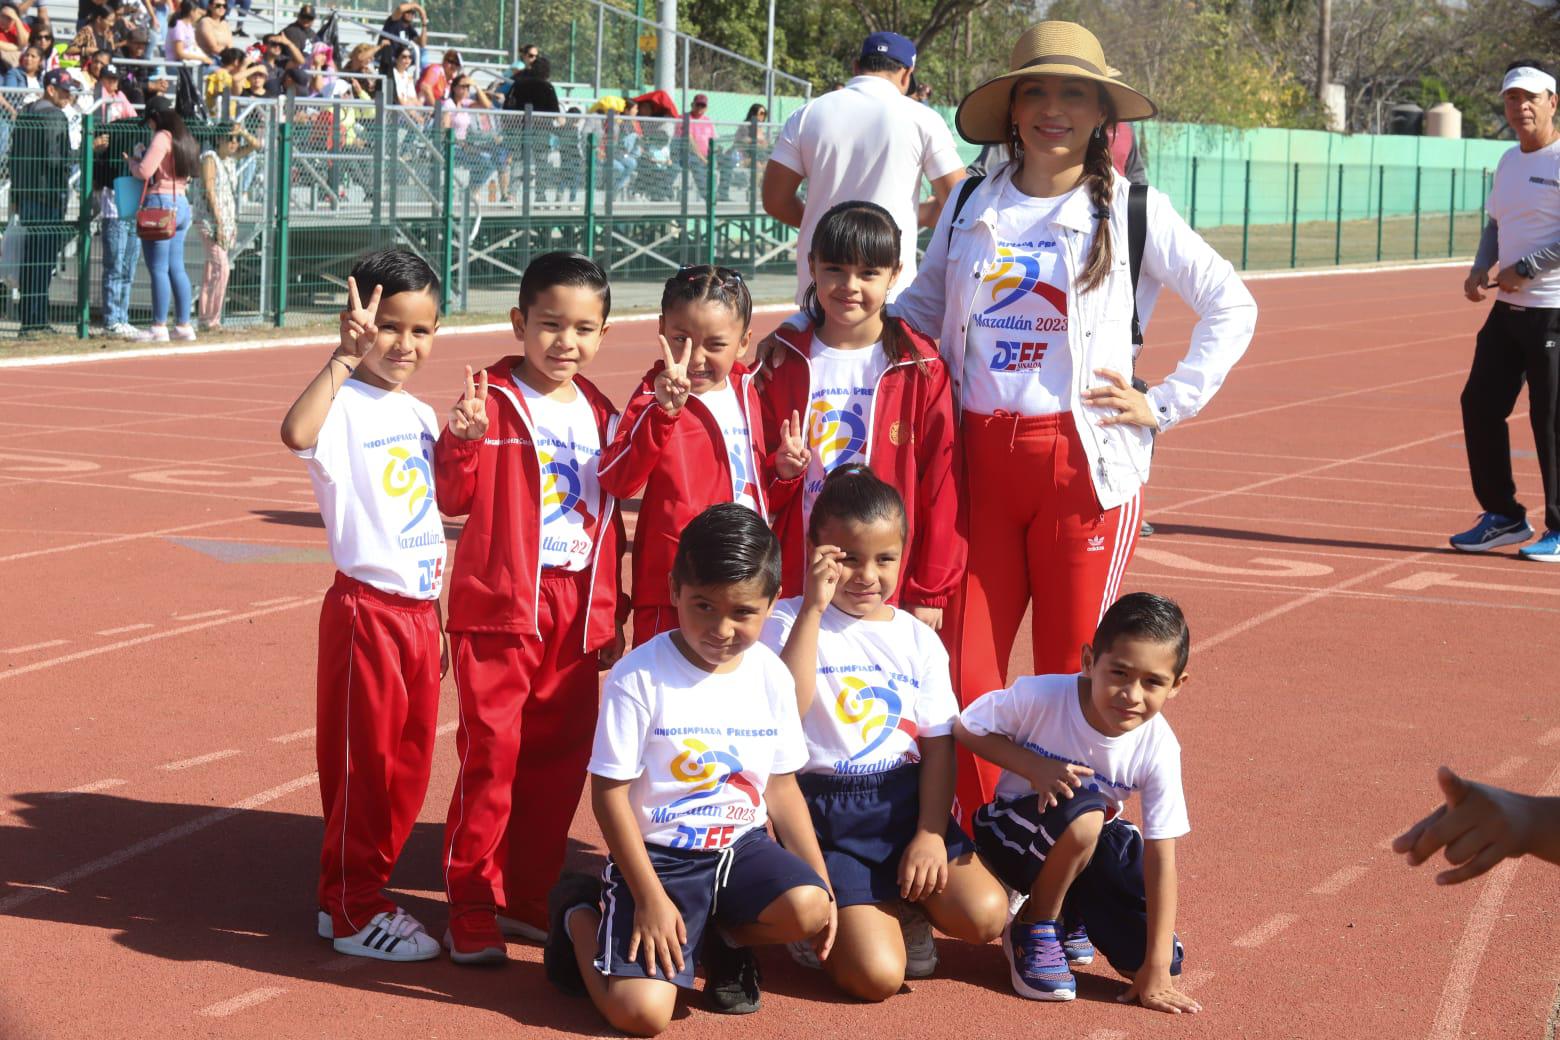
(1525, 77)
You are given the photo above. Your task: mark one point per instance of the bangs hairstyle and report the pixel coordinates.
(728, 544)
(706, 283)
(554, 269)
(862, 234)
(396, 270)
(1143, 615)
(855, 495)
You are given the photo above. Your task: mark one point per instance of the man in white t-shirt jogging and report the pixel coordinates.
(1521, 337)
(866, 142)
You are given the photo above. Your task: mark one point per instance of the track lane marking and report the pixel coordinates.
(122, 629)
(1507, 767)
(1341, 880)
(242, 1001)
(201, 616)
(1551, 738)
(30, 647)
(200, 760)
(289, 738)
(92, 788)
(121, 538)
(1265, 931)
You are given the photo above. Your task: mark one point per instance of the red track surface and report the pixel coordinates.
(163, 566)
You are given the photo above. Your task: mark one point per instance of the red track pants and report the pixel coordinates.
(527, 719)
(650, 622)
(378, 704)
(1036, 533)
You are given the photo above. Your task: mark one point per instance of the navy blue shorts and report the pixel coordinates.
(1109, 897)
(864, 824)
(732, 887)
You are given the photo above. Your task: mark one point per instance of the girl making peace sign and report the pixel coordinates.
(691, 436)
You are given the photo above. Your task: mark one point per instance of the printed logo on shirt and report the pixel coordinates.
(1096, 543)
(707, 771)
(742, 485)
(410, 475)
(561, 486)
(878, 710)
(838, 435)
(1014, 276)
(1545, 181)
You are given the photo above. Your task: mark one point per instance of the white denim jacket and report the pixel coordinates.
(941, 301)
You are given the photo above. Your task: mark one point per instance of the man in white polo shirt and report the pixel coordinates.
(1521, 338)
(866, 142)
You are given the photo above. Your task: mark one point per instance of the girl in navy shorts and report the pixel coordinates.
(877, 710)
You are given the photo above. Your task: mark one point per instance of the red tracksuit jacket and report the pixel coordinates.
(496, 482)
(681, 463)
(909, 445)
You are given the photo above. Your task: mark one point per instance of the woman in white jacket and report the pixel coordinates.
(1028, 288)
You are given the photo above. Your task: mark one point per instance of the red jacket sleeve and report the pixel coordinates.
(642, 434)
(455, 472)
(938, 558)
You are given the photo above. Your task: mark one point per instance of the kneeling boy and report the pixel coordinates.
(1073, 748)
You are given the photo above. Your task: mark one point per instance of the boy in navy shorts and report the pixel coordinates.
(696, 746)
(1073, 749)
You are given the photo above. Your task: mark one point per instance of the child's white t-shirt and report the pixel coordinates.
(1042, 713)
(839, 411)
(1017, 359)
(372, 471)
(568, 446)
(734, 429)
(882, 685)
(699, 746)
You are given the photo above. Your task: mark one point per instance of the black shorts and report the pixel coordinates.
(864, 824)
(732, 887)
(1014, 836)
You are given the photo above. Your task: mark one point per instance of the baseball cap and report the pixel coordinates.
(1526, 77)
(700, 99)
(890, 45)
(306, 12)
(110, 71)
(61, 80)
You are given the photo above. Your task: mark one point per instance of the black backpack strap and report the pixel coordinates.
(966, 189)
(1137, 237)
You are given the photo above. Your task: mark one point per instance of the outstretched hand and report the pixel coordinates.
(469, 419)
(357, 321)
(791, 453)
(671, 383)
(1479, 826)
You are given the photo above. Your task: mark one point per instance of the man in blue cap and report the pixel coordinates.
(867, 141)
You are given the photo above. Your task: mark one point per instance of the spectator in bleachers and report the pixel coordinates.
(529, 54)
(533, 87)
(132, 78)
(361, 62)
(40, 191)
(257, 84)
(27, 74)
(408, 25)
(323, 82)
(162, 12)
(110, 99)
(300, 33)
(232, 69)
(701, 131)
(181, 45)
(476, 146)
(118, 197)
(625, 155)
(14, 34)
(212, 33)
(216, 206)
(403, 80)
(434, 83)
(96, 33)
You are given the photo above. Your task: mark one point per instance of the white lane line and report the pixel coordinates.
(35, 646)
(58, 882)
(1194, 978)
(118, 538)
(242, 1001)
(203, 615)
(93, 788)
(274, 602)
(123, 644)
(1551, 738)
(1107, 1034)
(199, 760)
(1506, 768)
(289, 738)
(1266, 930)
(122, 629)
(1458, 991)
(1341, 880)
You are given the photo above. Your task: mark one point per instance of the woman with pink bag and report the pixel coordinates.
(170, 161)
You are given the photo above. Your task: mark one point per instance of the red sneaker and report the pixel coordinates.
(473, 937)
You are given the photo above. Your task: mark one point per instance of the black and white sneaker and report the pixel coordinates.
(391, 937)
(558, 959)
(731, 976)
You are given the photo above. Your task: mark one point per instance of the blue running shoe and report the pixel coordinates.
(1545, 550)
(1491, 532)
(1076, 944)
(1036, 961)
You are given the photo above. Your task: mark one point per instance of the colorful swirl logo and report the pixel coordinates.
(708, 770)
(741, 480)
(876, 709)
(412, 476)
(561, 487)
(1017, 275)
(838, 435)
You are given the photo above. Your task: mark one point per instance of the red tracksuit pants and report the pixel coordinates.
(1037, 535)
(650, 622)
(527, 719)
(378, 705)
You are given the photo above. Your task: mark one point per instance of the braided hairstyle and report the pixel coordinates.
(1098, 177)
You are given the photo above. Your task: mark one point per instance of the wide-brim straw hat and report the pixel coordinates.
(1047, 49)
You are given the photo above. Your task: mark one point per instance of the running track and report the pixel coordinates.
(162, 566)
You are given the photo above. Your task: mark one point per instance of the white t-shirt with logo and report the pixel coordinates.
(1016, 356)
(568, 446)
(882, 685)
(372, 471)
(1042, 713)
(1525, 202)
(839, 411)
(699, 747)
(734, 429)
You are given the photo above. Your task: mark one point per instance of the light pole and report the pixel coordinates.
(666, 48)
(769, 64)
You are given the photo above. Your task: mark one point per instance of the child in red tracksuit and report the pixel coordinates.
(871, 391)
(534, 604)
(368, 445)
(691, 437)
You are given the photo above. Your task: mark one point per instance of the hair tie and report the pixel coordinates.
(1102, 214)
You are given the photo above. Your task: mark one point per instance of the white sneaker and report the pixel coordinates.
(802, 953)
(391, 937)
(183, 332)
(326, 927)
(124, 330)
(920, 948)
(155, 334)
(511, 928)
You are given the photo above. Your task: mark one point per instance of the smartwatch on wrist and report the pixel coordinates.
(1523, 268)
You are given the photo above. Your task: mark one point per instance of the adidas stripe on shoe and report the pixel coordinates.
(390, 937)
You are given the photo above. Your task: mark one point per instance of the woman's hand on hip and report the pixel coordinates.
(1131, 405)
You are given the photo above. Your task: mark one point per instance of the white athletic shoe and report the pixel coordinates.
(124, 330)
(920, 947)
(183, 332)
(391, 937)
(155, 334)
(512, 928)
(326, 927)
(802, 953)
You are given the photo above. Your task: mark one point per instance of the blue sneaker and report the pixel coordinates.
(1036, 962)
(1076, 944)
(1545, 550)
(1491, 532)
